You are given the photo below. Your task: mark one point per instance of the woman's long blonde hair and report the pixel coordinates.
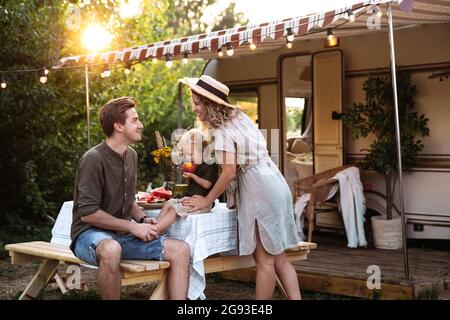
(215, 114)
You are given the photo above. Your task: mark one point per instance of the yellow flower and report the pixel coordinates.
(162, 156)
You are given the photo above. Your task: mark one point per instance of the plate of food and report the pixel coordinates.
(154, 199)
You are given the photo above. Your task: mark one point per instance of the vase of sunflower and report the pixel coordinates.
(162, 158)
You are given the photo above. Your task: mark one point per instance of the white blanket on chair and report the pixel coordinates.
(353, 206)
(299, 208)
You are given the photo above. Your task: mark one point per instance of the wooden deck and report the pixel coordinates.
(334, 268)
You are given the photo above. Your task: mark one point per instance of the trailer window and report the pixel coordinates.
(294, 116)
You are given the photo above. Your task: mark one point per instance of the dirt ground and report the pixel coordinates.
(13, 279)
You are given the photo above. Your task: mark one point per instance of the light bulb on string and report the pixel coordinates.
(154, 60)
(230, 50)
(3, 84)
(169, 60)
(332, 40)
(289, 44)
(127, 69)
(185, 58)
(42, 75)
(220, 53)
(252, 45)
(46, 71)
(330, 35)
(290, 35)
(106, 71)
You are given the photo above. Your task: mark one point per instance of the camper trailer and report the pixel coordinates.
(297, 94)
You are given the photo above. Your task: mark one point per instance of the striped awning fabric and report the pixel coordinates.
(271, 35)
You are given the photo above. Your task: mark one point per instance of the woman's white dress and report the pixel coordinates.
(263, 196)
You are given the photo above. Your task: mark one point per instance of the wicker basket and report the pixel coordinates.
(387, 234)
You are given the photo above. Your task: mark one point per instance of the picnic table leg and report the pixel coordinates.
(282, 288)
(40, 280)
(160, 292)
(61, 283)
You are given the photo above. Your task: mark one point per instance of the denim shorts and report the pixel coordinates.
(132, 248)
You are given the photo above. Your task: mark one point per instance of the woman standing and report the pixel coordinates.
(264, 201)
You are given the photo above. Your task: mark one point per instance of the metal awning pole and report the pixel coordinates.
(180, 121)
(87, 107)
(180, 106)
(397, 131)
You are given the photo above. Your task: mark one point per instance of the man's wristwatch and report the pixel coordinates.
(142, 219)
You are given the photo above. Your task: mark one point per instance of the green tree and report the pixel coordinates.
(43, 131)
(187, 17)
(39, 132)
(377, 117)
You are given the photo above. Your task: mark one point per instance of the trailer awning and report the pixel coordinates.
(272, 35)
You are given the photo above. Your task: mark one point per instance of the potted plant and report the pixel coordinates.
(377, 117)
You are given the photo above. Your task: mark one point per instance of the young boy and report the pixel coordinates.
(191, 146)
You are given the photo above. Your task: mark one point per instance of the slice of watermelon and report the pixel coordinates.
(162, 193)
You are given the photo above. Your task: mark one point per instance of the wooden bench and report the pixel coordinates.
(133, 271)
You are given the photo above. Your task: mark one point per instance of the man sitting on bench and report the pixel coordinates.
(102, 231)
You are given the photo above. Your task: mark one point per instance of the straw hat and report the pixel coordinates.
(209, 88)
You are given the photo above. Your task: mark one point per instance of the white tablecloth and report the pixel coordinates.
(206, 234)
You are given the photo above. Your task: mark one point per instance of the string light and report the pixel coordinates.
(127, 69)
(43, 72)
(106, 72)
(330, 35)
(43, 75)
(290, 35)
(230, 50)
(374, 9)
(289, 44)
(185, 58)
(332, 40)
(351, 15)
(169, 60)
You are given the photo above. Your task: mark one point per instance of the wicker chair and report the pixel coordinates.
(319, 186)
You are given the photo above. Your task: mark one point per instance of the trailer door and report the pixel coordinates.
(327, 107)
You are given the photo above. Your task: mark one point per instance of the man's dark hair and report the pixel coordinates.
(114, 111)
